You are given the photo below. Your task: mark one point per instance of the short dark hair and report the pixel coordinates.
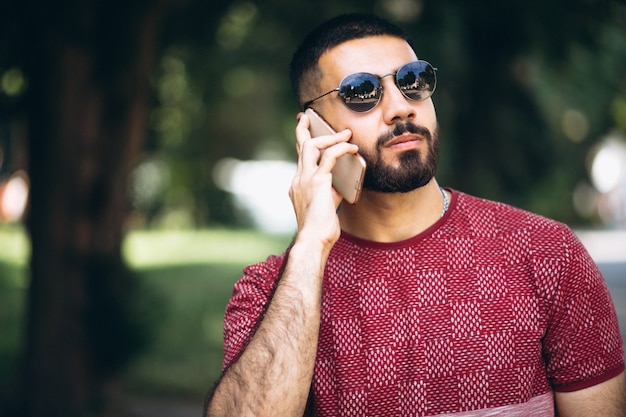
(304, 71)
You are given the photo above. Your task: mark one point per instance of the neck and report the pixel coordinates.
(384, 217)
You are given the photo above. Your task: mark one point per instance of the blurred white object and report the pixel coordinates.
(260, 189)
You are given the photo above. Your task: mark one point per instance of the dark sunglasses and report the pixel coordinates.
(361, 92)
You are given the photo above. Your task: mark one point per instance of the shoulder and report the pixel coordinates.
(257, 283)
(503, 217)
(247, 304)
(261, 276)
(268, 268)
(522, 237)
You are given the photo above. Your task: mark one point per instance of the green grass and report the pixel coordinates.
(187, 278)
(12, 293)
(185, 357)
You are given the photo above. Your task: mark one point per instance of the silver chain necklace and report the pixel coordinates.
(446, 202)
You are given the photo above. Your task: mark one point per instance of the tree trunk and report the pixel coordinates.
(87, 106)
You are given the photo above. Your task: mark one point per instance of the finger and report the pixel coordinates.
(331, 155)
(302, 131)
(303, 135)
(320, 154)
(314, 146)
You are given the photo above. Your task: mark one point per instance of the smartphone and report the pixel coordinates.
(349, 169)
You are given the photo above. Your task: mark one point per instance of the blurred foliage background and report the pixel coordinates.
(531, 99)
(525, 93)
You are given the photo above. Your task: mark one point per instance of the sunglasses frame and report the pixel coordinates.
(395, 74)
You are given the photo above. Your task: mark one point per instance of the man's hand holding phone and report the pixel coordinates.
(313, 196)
(349, 169)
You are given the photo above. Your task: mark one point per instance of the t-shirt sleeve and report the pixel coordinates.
(247, 305)
(583, 346)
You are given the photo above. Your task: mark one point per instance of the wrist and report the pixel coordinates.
(311, 247)
(308, 253)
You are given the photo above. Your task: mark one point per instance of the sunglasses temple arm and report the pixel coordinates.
(308, 103)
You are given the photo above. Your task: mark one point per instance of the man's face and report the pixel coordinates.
(399, 137)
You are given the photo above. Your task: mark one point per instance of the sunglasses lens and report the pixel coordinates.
(417, 80)
(361, 92)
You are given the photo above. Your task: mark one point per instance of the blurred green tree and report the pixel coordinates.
(88, 65)
(525, 90)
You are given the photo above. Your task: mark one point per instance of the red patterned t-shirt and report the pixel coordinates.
(492, 308)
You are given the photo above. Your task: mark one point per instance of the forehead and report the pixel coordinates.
(378, 55)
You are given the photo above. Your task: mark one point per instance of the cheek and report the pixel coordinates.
(431, 115)
(364, 136)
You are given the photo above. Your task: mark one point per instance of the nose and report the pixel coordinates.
(396, 107)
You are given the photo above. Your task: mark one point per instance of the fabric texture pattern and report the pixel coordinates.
(492, 306)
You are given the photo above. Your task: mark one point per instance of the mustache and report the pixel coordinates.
(401, 128)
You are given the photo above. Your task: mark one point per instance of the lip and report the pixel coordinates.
(405, 141)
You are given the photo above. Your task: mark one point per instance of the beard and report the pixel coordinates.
(414, 171)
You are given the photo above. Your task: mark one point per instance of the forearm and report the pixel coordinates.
(273, 375)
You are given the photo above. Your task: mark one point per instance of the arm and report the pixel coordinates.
(273, 374)
(607, 399)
